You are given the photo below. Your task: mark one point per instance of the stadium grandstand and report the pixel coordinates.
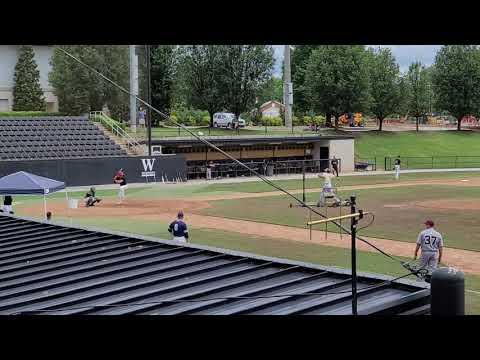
(54, 137)
(58, 270)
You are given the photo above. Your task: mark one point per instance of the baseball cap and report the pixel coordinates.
(429, 222)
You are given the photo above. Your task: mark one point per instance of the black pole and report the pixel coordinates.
(353, 229)
(149, 96)
(303, 170)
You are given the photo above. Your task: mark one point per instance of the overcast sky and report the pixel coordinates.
(405, 55)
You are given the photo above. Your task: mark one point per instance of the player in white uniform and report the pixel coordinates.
(431, 243)
(327, 191)
(397, 168)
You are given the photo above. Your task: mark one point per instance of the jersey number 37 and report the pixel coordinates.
(430, 239)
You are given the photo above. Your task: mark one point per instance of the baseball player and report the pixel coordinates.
(210, 165)
(7, 204)
(397, 167)
(90, 198)
(122, 181)
(178, 229)
(334, 163)
(327, 190)
(431, 243)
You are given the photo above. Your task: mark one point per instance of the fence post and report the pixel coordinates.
(432, 162)
(179, 130)
(385, 167)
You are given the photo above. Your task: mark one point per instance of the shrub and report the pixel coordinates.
(297, 121)
(205, 121)
(319, 120)
(307, 120)
(272, 121)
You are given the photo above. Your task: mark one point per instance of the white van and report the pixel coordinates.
(226, 120)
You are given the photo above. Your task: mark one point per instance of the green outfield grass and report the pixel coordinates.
(412, 143)
(461, 229)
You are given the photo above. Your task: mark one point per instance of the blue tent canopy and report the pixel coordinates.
(23, 183)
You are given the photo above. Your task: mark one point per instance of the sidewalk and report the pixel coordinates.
(272, 178)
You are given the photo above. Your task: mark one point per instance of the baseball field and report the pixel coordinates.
(249, 216)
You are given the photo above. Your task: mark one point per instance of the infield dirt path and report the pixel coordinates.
(468, 261)
(165, 210)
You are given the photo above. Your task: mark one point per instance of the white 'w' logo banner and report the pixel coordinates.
(148, 164)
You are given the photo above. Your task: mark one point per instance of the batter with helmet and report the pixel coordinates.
(327, 191)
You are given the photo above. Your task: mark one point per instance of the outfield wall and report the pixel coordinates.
(99, 171)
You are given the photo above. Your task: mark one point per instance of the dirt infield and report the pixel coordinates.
(129, 208)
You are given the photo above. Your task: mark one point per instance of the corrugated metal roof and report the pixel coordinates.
(52, 269)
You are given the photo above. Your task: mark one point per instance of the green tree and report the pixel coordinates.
(337, 80)
(456, 80)
(244, 71)
(403, 96)
(163, 75)
(27, 92)
(300, 57)
(384, 78)
(79, 90)
(272, 90)
(418, 91)
(199, 81)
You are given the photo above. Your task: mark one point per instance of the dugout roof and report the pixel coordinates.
(60, 270)
(249, 140)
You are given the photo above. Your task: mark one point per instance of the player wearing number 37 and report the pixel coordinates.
(431, 243)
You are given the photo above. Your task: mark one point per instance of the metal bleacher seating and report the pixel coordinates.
(54, 138)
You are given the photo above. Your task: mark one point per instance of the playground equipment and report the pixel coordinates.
(357, 119)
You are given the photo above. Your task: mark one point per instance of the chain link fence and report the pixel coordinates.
(433, 162)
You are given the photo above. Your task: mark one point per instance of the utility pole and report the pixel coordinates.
(133, 87)
(287, 87)
(149, 99)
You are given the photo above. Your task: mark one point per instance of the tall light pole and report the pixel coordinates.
(133, 87)
(287, 87)
(149, 99)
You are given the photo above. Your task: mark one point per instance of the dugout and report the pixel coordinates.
(286, 152)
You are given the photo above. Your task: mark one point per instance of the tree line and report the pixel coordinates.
(339, 79)
(330, 80)
(205, 77)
